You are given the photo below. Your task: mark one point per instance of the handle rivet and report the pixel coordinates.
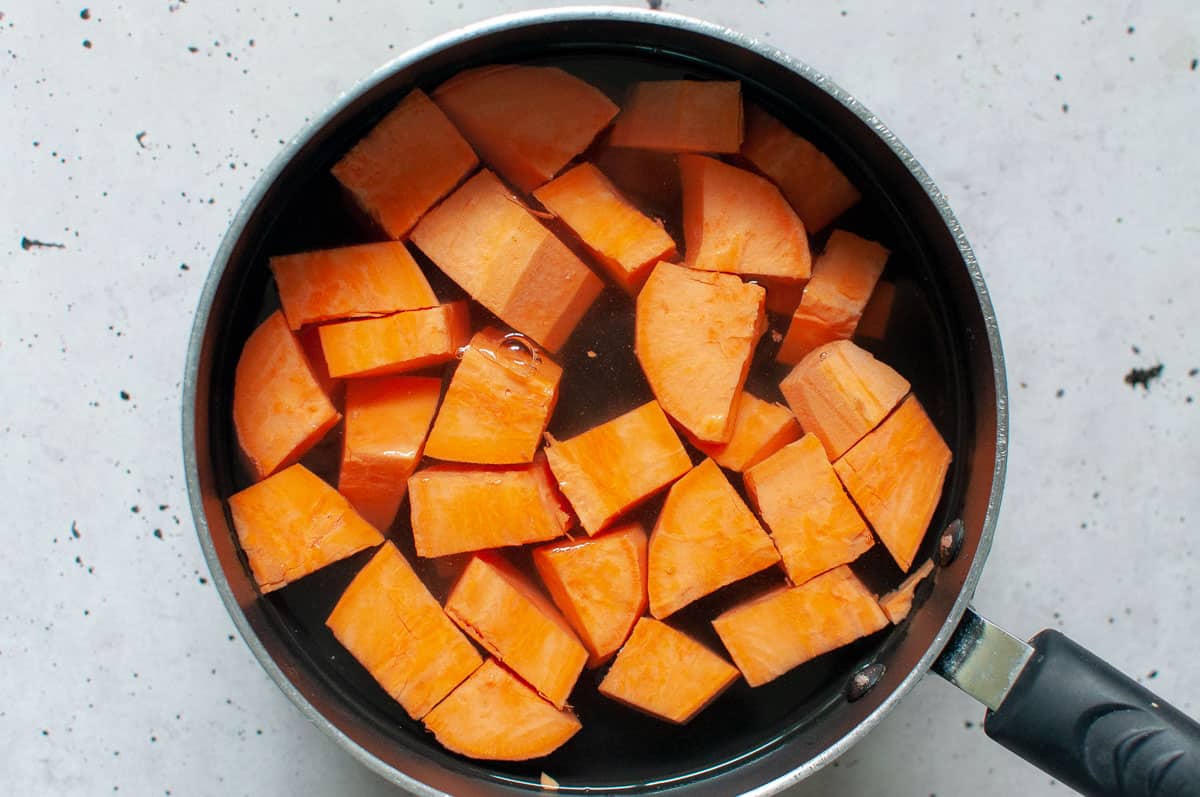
(864, 680)
(950, 543)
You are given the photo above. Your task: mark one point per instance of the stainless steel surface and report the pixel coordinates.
(983, 660)
(203, 499)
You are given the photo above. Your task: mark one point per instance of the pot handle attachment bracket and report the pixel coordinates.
(1066, 711)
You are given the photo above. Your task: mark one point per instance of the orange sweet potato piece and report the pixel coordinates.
(843, 279)
(526, 121)
(458, 508)
(280, 410)
(620, 238)
(737, 222)
(666, 673)
(599, 584)
(840, 392)
(878, 312)
(774, 633)
(695, 334)
(681, 116)
(390, 623)
(812, 183)
(760, 428)
(502, 610)
(394, 343)
(652, 178)
(364, 280)
(409, 161)
(310, 343)
(898, 603)
(491, 245)
(614, 466)
(292, 524)
(705, 537)
(783, 296)
(895, 475)
(387, 418)
(498, 404)
(493, 716)
(813, 523)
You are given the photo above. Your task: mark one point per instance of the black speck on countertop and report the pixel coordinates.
(85, 14)
(1195, 64)
(1194, 372)
(1065, 107)
(1143, 376)
(158, 533)
(87, 44)
(33, 243)
(124, 396)
(1136, 350)
(1058, 77)
(1152, 674)
(74, 530)
(140, 137)
(654, 5)
(1130, 30)
(135, 509)
(1059, 393)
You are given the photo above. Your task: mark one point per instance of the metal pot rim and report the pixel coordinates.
(583, 14)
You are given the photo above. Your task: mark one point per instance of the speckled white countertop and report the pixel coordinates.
(1064, 134)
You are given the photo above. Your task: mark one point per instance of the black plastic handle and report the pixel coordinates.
(1095, 729)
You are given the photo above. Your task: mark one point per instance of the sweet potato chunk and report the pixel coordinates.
(774, 633)
(812, 182)
(898, 603)
(737, 222)
(622, 239)
(364, 280)
(526, 121)
(457, 508)
(895, 475)
(783, 296)
(280, 410)
(599, 584)
(695, 334)
(494, 717)
(502, 610)
(390, 623)
(651, 178)
(840, 392)
(705, 538)
(491, 245)
(292, 524)
(666, 673)
(394, 343)
(760, 428)
(878, 313)
(616, 465)
(387, 418)
(843, 279)
(681, 116)
(498, 403)
(412, 158)
(813, 523)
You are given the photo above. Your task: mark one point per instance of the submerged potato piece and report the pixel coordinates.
(502, 610)
(812, 521)
(387, 418)
(666, 673)
(398, 632)
(293, 523)
(840, 392)
(493, 716)
(395, 343)
(459, 508)
(348, 282)
(898, 603)
(280, 409)
(895, 475)
(681, 116)
(599, 584)
(695, 334)
(737, 222)
(612, 467)
(705, 538)
(409, 161)
(527, 122)
(812, 183)
(492, 246)
(618, 235)
(760, 428)
(843, 279)
(774, 633)
(499, 401)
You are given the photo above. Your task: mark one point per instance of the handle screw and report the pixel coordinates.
(950, 543)
(864, 680)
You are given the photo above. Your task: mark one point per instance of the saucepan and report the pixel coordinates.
(1047, 699)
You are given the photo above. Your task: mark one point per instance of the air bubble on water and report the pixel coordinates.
(461, 351)
(520, 349)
